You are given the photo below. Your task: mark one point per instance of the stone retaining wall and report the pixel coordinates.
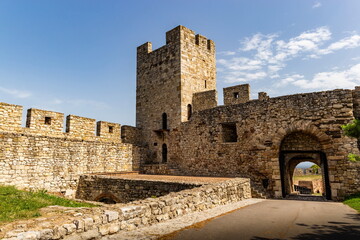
(95, 188)
(98, 222)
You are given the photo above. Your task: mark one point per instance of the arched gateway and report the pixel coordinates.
(298, 147)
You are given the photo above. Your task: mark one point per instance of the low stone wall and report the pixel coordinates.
(96, 188)
(98, 222)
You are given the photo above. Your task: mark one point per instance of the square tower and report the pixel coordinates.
(168, 77)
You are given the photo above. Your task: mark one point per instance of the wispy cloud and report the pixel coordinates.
(266, 55)
(317, 5)
(226, 53)
(16, 93)
(347, 78)
(345, 43)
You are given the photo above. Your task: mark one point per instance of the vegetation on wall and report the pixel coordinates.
(353, 130)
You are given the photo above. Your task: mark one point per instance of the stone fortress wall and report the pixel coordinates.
(43, 156)
(244, 137)
(260, 139)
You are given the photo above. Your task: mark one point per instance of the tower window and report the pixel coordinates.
(236, 95)
(164, 121)
(164, 153)
(189, 111)
(205, 84)
(111, 129)
(48, 120)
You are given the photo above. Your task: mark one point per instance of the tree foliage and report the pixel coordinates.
(352, 129)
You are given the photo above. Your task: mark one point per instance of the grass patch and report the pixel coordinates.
(308, 177)
(353, 201)
(17, 204)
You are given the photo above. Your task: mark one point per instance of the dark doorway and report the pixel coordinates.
(299, 147)
(164, 153)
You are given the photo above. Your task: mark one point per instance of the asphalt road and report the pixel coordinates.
(280, 219)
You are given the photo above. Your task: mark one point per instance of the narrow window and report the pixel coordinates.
(164, 121)
(48, 120)
(229, 132)
(189, 111)
(111, 129)
(236, 95)
(205, 84)
(164, 153)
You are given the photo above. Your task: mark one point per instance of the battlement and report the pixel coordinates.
(237, 94)
(175, 37)
(48, 123)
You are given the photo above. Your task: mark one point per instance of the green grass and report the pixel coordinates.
(353, 201)
(17, 204)
(307, 177)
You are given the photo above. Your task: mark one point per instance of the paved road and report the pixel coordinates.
(280, 219)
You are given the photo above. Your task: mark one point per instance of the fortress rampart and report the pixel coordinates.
(43, 156)
(246, 139)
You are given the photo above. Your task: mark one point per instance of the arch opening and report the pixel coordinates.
(299, 147)
(307, 179)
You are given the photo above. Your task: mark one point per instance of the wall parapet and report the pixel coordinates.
(204, 100)
(49, 123)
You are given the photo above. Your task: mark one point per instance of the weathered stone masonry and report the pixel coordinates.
(42, 156)
(244, 137)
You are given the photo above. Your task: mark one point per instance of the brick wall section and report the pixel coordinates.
(92, 188)
(197, 148)
(204, 100)
(237, 94)
(42, 156)
(98, 222)
(131, 135)
(10, 116)
(55, 164)
(108, 130)
(47, 121)
(80, 127)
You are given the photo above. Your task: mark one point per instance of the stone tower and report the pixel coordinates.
(167, 78)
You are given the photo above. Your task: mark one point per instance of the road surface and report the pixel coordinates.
(279, 219)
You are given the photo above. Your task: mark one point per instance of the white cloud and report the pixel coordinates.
(345, 43)
(226, 53)
(316, 5)
(16, 93)
(348, 78)
(265, 55)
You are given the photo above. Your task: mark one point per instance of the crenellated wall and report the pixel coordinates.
(43, 156)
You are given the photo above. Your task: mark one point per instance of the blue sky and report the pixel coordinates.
(79, 57)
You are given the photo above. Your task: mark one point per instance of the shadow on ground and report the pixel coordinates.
(330, 231)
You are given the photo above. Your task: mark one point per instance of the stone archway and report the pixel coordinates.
(298, 147)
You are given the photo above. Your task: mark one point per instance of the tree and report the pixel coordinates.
(315, 168)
